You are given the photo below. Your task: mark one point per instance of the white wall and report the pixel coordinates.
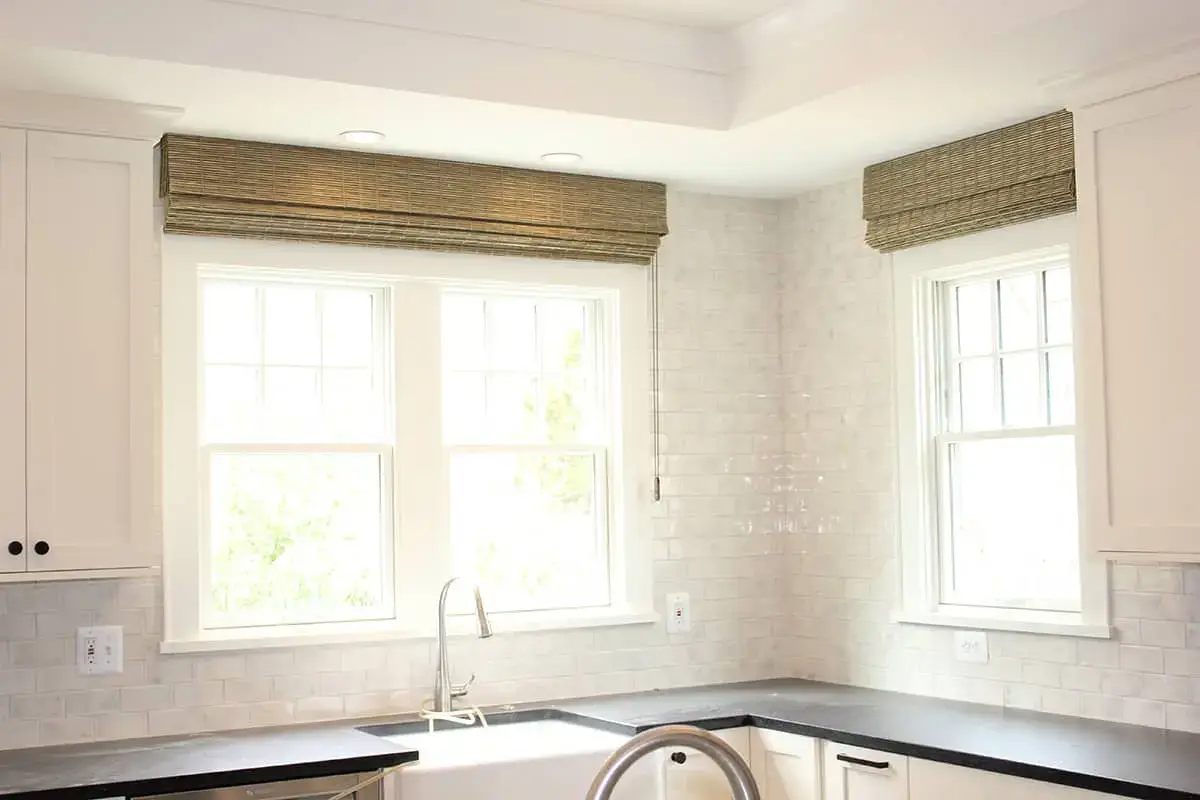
(841, 519)
(715, 537)
(776, 340)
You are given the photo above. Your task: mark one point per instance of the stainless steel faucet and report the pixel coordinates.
(444, 691)
(735, 769)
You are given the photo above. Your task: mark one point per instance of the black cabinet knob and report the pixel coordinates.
(679, 757)
(15, 548)
(41, 548)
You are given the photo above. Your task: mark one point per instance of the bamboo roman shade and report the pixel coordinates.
(225, 187)
(1015, 174)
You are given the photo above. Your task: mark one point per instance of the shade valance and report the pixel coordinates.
(226, 187)
(1015, 174)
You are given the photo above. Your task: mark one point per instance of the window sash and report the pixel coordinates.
(944, 326)
(603, 382)
(381, 355)
(937, 334)
(411, 284)
(602, 501)
(944, 521)
(210, 619)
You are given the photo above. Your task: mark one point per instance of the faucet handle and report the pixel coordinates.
(461, 689)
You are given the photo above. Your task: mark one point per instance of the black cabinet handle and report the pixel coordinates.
(41, 548)
(679, 757)
(15, 548)
(862, 762)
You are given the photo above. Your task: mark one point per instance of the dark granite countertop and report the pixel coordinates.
(186, 763)
(1130, 760)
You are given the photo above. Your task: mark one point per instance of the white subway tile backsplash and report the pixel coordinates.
(1134, 658)
(839, 494)
(198, 695)
(68, 730)
(122, 726)
(247, 690)
(779, 519)
(37, 706)
(93, 701)
(147, 698)
(717, 537)
(216, 668)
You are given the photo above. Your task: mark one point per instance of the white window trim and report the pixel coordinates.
(915, 274)
(416, 277)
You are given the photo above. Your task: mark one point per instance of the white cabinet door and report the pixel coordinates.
(12, 351)
(691, 775)
(929, 780)
(786, 766)
(90, 339)
(856, 773)
(1135, 296)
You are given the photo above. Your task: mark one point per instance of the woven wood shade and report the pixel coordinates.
(255, 190)
(1015, 174)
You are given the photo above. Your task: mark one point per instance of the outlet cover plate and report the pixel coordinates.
(100, 650)
(971, 646)
(679, 613)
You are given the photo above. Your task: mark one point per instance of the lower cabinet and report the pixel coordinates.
(785, 766)
(929, 780)
(856, 773)
(690, 775)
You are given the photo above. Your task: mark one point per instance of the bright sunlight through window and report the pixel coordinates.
(344, 429)
(524, 418)
(985, 392)
(1007, 447)
(296, 454)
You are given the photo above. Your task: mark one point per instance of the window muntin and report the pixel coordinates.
(1004, 440)
(295, 454)
(409, 287)
(527, 432)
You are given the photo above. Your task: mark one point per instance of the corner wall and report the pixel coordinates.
(841, 501)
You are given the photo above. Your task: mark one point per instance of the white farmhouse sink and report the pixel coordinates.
(516, 741)
(542, 760)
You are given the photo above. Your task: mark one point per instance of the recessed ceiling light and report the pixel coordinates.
(561, 158)
(362, 137)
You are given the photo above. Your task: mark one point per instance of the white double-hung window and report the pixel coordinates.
(990, 529)
(346, 428)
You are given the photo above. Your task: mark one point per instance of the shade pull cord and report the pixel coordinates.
(655, 379)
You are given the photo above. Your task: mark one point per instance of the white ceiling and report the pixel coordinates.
(805, 96)
(699, 13)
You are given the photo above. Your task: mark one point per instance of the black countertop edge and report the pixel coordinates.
(1015, 769)
(221, 780)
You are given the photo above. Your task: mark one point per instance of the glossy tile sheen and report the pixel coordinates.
(715, 537)
(840, 500)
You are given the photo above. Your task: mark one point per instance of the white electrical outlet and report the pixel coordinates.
(100, 650)
(679, 613)
(971, 646)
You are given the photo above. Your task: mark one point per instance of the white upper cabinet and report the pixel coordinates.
(786, 766)
(78, 336)
(12, 351)
(856, 773)
(1137, 290)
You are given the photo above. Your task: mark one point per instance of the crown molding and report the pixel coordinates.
(1081, 89)
(64, 113)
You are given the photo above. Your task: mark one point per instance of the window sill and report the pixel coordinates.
(1047, 623)
(511, 622)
